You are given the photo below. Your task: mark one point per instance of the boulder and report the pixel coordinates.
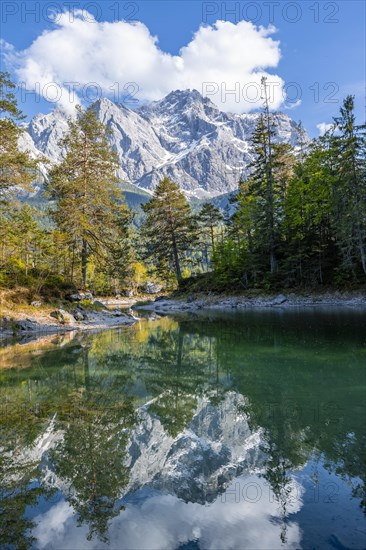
(78, 315)
(279, 299)
(63, 317)
(128, 293)
(36, 304)
(152, 288)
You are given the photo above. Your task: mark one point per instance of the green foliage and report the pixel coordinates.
(17, 169)
(88, 204)
(168, 229)
(300, 218)
(209, 225)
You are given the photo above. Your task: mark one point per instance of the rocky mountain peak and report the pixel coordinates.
(183, 136)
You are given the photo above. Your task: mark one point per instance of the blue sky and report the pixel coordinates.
(316, 52)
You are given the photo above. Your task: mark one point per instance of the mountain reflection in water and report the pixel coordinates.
(214, 431)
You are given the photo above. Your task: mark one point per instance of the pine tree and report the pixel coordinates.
(263, 140)
(17, 170)
(261, 201)
(168, 228)
(349, 157)
(88, 204)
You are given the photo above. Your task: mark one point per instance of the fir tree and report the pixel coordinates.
(87, 200)
(349, 157)
(17, 169)
(168, 228)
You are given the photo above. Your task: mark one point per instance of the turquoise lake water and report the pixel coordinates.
(217, 430)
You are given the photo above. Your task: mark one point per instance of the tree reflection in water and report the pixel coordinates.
(291, 390)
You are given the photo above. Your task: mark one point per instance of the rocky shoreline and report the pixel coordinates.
(61, 321)
(111, 314)
(197, 302)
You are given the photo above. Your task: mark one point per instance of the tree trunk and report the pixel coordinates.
(84, 261)
(212, 237)
(176, 260)
(361, 248)
(273, 261)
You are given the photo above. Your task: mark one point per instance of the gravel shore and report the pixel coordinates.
(193, 303)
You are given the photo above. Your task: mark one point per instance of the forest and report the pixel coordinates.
(297, 222)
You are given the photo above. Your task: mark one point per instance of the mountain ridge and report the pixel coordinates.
(183, 136)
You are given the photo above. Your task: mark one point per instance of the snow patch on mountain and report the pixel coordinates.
(183, 136)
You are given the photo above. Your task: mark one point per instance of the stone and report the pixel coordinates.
(129, 293)
(78, 315)
(36, 304)
(117, 297)
(279, 299)
(152, 288)
(63, 317)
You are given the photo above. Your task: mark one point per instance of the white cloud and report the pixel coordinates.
(290, 106)
(165, 522)
(323, 127)
(5, 47)
(220, 58)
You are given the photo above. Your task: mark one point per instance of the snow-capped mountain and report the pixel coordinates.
(184, 136)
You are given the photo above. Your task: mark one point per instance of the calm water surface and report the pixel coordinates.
(215, 431)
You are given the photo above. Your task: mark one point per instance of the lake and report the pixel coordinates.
(214, 430)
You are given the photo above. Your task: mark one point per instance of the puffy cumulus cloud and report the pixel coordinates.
(323, 127)
(81, 59)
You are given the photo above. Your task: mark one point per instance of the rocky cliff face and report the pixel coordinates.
(183, 136)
